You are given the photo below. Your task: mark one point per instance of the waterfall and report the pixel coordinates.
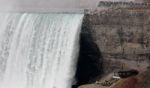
(38, 50)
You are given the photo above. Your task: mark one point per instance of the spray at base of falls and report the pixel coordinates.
(38, 50)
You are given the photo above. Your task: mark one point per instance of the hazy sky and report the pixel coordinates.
(48, 4)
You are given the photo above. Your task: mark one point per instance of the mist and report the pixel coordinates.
(34, 5)
(49, 5)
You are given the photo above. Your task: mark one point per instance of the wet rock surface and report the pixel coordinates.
(89, 65)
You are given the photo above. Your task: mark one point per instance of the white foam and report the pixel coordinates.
(38, 50)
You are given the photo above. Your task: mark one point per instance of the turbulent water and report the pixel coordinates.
(38, 50)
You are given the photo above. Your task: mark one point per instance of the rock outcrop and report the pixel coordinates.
(131, 82)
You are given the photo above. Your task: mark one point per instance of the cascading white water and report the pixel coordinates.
(38, 50)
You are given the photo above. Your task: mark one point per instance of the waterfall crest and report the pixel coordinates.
(38, 50)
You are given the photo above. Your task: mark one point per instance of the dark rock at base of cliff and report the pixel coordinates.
(90, 60)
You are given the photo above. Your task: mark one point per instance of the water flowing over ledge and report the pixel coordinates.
(38, 50)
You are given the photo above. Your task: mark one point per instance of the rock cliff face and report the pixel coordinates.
(120, 40)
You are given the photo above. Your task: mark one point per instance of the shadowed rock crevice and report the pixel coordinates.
(90, 60)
